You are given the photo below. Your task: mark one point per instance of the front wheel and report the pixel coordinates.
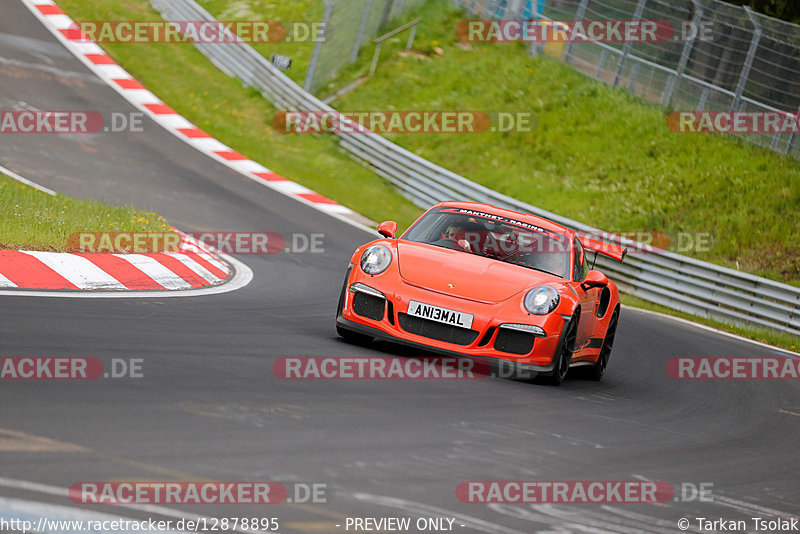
(599, 368)
(561, 368)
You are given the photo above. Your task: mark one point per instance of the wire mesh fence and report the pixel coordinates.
(722, 57)
(349, 25)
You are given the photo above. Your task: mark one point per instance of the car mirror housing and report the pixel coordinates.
(594, 279)
(388, 229)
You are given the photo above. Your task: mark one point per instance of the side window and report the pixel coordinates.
(580, 272)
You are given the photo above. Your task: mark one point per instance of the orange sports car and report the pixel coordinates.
(479, 281)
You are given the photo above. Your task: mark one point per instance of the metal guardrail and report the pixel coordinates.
(666, 278)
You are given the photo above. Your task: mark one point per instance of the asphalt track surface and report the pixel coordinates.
(209, 407)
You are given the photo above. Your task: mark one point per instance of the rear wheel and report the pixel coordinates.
(564, 357)
(599, 368)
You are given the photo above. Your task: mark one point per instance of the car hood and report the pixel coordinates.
(465, 275)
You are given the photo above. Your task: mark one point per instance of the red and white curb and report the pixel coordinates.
(191, 267)
(88, 52)
(194, 268)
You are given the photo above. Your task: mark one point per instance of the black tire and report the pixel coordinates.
(353, 337)
(559, 372)
(599, 368)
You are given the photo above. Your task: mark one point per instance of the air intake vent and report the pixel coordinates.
(436, 330)
(368, 306)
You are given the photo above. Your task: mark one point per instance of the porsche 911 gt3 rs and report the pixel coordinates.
(480, 281)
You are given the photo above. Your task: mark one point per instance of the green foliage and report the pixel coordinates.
(33, 220)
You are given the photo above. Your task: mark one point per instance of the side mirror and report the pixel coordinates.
(594, 279)
(388, 229)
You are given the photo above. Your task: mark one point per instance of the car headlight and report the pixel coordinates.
(376, 259)
(541, 300)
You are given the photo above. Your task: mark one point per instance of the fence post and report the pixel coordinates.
(579, 14)
(533, 47)
(792, 136)
(634, 75)
(387, 12)
(312, 66)
(411, 36)
(514, 9)
(748, 62)
(600, 64)
(701, 102)
(361, 27)
(685, 53)
(626, 48)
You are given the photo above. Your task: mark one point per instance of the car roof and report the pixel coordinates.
(511, 214)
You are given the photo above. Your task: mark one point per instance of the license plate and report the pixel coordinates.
(441, 315)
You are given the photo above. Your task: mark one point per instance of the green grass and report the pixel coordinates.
(240, 117)
(33, 220)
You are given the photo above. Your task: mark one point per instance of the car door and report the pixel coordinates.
(588, 299)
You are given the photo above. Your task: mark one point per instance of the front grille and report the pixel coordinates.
(514, 341)
(368, 306)
(436, 330)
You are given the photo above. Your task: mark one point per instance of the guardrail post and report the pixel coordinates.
(748, 62)
(685, 53)
(312, 66)
(579, 14)
(626, 48)
(360, 33)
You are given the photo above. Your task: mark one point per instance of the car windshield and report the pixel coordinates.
(493, 236)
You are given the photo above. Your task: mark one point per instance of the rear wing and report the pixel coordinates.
(606, 249)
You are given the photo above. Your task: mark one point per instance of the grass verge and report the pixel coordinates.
(34, 220)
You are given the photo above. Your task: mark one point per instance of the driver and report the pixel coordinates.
(458, 235)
